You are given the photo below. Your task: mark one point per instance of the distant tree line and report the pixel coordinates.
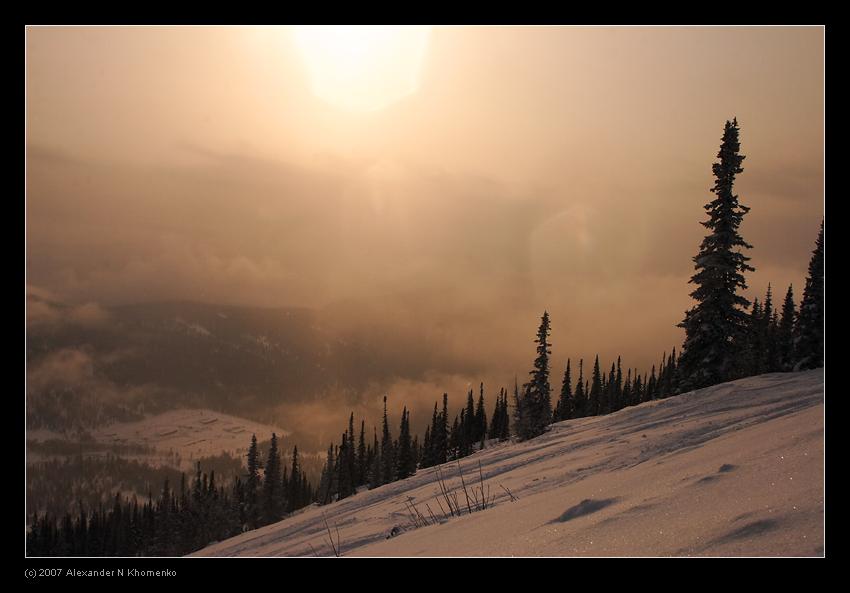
(57, 486)
(175, 523)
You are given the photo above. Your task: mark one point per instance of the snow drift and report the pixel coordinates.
(734, 469)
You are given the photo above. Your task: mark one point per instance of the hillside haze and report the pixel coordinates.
(91, 366)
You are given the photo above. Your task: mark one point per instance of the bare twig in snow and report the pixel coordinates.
(330, 536)
(513, 498)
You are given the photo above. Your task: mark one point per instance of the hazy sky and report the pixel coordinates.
(546, 167)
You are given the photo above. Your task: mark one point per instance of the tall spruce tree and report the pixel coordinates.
(351, 458)
(808, 343)
(272, 496)
(252, 484)
(715, 329)
(387, 451)
(537, 397)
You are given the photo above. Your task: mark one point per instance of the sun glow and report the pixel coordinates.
(362, 68)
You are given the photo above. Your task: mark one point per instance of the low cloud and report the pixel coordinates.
(442, 277)
(44, 307)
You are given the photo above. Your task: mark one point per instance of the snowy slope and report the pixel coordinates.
(192, 433)
(735, 469)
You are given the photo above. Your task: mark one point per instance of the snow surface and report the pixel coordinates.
(734, 469)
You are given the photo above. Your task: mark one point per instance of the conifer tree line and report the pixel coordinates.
(178, 522)
(601, 393)
(373, 462)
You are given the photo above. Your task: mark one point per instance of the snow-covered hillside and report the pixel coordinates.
(192, 433)
(735, 469)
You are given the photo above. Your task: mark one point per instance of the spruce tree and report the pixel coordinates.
(480, 432)
(564, 409)
(351, 457)
(345, 483)
(405, 458)
(810, 324)
(650, 393)
(505, 422)
(362, 462)
(425, 453)
(618, 388)
(537, 397)
(375, 469)
(675, 376)
(469, 426)
(626, 398)
(608, 393)
(440, 436)
(785, 332)
(325, 479)
(417, 453)
(752, 360)
(595, 394)
(387, 452)
(521, 414)
(295, 500)
(637, 391)
(581, 406)
(500, 417)
(271, 484)
(715, 328)
(454, 439)
(429, 445)
(252, 483)
(769, 333)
